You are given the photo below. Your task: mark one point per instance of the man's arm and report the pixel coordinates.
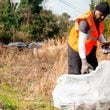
(81, 45)
(84, 27)
(102, 39)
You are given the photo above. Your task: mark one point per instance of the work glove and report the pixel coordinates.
(106, 48)
(86, 67)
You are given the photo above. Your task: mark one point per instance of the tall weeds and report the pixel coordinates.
(32, 75)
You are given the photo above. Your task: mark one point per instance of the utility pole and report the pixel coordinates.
(14, 4)
(44, 4)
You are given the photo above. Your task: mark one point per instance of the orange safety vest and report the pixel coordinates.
(93, 33)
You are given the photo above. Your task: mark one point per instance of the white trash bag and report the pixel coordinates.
(72, 91)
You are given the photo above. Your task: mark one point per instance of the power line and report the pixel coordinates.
(74, 8)
(65, 7)
(80, 9)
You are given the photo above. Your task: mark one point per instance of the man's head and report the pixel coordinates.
(101, 11)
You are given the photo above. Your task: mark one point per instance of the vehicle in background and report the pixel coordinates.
(19, 45)
(35, 45)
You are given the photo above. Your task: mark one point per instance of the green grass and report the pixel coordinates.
(10, 99)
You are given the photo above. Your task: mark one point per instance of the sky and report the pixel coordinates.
(15, 1)
(74, 8)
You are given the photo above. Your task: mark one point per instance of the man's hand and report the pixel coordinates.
(86, 67)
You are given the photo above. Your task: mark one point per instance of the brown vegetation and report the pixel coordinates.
(35, 73)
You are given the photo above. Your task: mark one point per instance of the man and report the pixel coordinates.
(82, 40)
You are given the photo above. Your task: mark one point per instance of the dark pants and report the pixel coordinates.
(74, 61)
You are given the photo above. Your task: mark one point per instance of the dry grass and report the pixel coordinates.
(33, 74)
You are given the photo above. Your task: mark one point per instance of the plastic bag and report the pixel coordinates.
(72, 91)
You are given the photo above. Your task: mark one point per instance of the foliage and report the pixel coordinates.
(105, 1)
(35, 6)
(107, 28)
(46, 25)
(92, 5)
(6, 20)
(31, 21)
